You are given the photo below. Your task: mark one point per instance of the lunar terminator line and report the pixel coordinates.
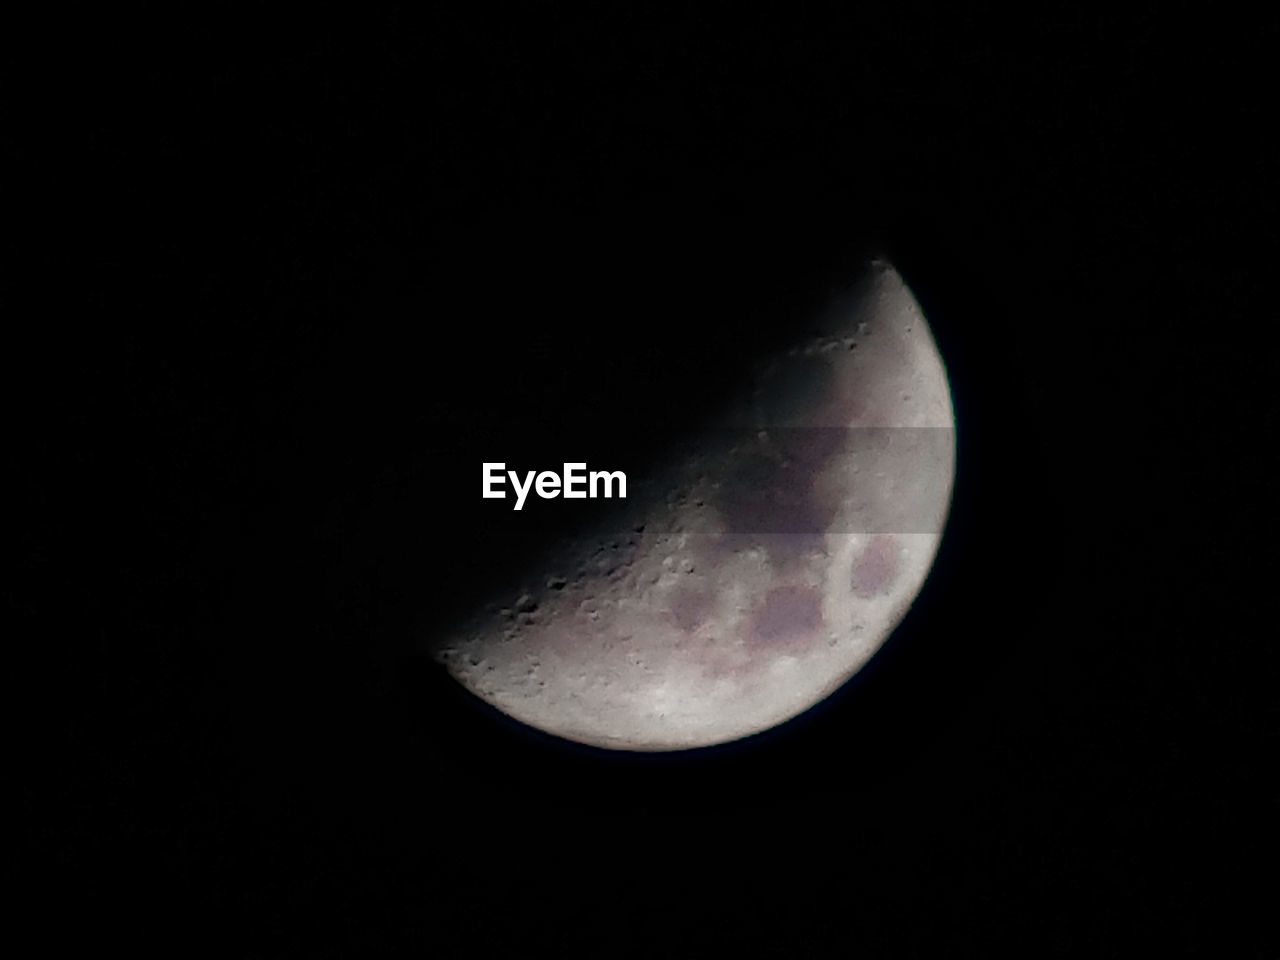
(765, 566)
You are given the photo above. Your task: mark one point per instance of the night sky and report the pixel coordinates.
(278, 286)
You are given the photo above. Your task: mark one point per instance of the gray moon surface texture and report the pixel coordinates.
(757, 572)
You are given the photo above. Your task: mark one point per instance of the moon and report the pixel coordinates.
(756, 572)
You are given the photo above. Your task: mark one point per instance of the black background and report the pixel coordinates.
(289, 280)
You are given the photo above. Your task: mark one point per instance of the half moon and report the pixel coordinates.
(760, 569)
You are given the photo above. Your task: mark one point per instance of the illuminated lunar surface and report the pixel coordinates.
(759, 571)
